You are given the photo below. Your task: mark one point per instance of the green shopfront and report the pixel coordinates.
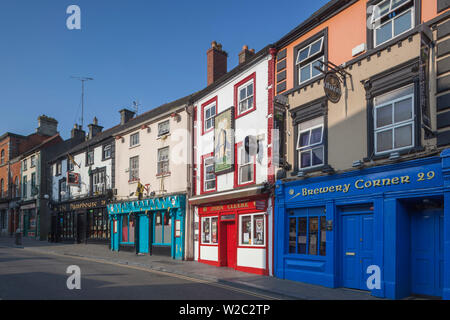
(150, 226)
(384, 229)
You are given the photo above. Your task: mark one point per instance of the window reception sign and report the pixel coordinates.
(224, 142)
(419, 177)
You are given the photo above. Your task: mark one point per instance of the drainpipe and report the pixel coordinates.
(189, 232)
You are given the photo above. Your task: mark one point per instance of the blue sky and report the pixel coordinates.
(151, 51)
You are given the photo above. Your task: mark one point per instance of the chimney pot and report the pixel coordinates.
(245, 54)
(125, 116)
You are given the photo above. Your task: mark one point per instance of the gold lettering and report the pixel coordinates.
(316, 191)
(357, 184)
(395, 180)
(324, 190)
(346, 187)
(338, 188)
(310, 192)
(304, 192)
(377, 183)
(386, 182)
(368, 184)
(331, 189)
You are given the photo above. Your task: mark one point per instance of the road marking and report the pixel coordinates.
(173, 275)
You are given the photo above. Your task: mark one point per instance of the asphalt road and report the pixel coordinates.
(34, 276)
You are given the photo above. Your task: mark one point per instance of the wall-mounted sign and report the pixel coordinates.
(73, 179)
(224, 142)
(177, 228)
(227, 217)
(332, 87)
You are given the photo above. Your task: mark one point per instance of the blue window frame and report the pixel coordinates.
(307, 231)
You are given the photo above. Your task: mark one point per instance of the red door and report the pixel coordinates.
(228, 245)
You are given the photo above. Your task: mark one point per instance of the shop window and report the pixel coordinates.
(252, 230)
(128, 224)
(246, 166)
(99, 227)
(307, 232)
(67, 225)
(163, 229)
(209, 175)
(310, 144)
(163, 161)
(391, 18)
(308, 59)
(210, 230)
(394, 120)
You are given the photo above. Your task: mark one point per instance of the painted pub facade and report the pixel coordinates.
(363, 192)
(233, 163)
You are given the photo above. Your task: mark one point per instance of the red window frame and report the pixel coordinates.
(202, 174)
(236, 95)
(204, 105)
(236, 167)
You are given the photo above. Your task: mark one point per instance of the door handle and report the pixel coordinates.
(350, 254)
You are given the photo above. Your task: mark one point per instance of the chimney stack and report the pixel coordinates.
(245, 54)
(78, 133)
(125, 116)
(47, 126)
(216, 62)
(94, 128)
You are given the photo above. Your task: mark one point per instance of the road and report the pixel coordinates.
(27, 275)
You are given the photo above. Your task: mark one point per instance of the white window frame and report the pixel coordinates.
(99, 182)
(208, 220)
(252, 230)
(246, 85)
(391, 20)
(108, 148)
(208, 107)
(25, 165)
(32, 161)
(393, 125)
(161, 125)
(90, 159)
(160, 172)
(134, 139)
(310, 147)
(134, 172)
(241, 164)
(205, 180)
(321, 57)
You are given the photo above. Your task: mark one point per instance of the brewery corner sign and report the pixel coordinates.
(332, 87)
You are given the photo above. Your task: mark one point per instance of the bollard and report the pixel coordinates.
(18, 237)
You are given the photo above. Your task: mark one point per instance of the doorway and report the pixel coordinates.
(228, 246)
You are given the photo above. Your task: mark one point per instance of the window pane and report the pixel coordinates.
(205, 225)
(384, 7)
(384, 33)
(208, 113)
(316, 72)
(384, 116)
(305, 159)
(384, 141)
(304, 139)
(323, 236)
(292, 234)
(402, 23)
(213, 111)
(250, 90)
(397, 3)
(303, 55)
(316, 135)
(242, 94)
(313, 235)
(403, 136)
(317, 156)
(258, 231)
(214, 230)
(305, 73)
(403, 110)
(315, 47)
(210, 185)
(302, 229)
(246, 230)
(394, 95)
(246, 173)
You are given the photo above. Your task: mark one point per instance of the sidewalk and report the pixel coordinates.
(286, 289)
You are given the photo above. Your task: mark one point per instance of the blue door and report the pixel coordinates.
(357, 249)
(143, 234)
(427, 240)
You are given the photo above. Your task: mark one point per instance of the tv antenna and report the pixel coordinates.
(136, 106)
(83, 80)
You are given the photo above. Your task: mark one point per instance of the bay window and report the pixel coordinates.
(252, 230)
(307, 232)
(394, 120)
(210, 230)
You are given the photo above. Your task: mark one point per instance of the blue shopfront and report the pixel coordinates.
(151, 226)
(383, 229)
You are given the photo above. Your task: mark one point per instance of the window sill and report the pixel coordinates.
(207, 131)
(401, 153)
(163, 136)
(310, 170)
(135, 146)
(133, 181)
(163, 175)
(244, 113)
(307, 83)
